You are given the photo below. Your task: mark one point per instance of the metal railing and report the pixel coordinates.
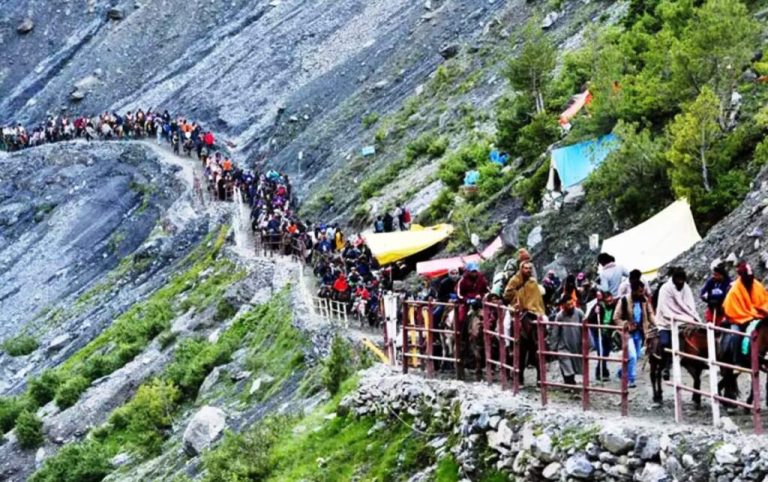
(714, 365)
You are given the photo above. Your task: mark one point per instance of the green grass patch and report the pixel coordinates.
(20, 345)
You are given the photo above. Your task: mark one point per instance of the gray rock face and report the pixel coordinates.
(579, 467)
(59, 342)
(654, 473)
(25, 26)
(115, 13)
(204, 429)
(615, 441)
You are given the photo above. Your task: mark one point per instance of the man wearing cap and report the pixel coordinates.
(472, 286)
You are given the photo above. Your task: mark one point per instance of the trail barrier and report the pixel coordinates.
(584, 357)
(714, 366)
(420, 336)
(504, 318)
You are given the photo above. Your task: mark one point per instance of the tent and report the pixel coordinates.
(438, 267)
(577, 103)
(394, 246)
(655, 242)
(571, 165)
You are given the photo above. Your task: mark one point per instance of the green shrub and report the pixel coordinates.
(244, 456)
(69, 392)
(193, 360)
(29, 430)
(440, 207)
(426, 144)
(142, 422)
(336, 368)
(457, 163)
(78, 462)
(224, 310)
(370, 119)
(10, 408)
(20, 345)
(42, 389)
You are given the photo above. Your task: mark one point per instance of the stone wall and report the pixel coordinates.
(485, 428)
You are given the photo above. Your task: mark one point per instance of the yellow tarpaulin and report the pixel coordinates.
(390, 247)
(655, 242)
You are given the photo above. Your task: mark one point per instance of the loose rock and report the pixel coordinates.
(205, 427)
(25, 26)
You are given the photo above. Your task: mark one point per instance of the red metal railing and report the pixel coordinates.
(585, 357)
(714, 366)
(499, 313)
(419, 332)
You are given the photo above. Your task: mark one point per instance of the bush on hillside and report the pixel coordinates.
(336, 368)
(20, 345)
(458, 162)
(69, 392)
(42, 389)
(244, 456)
(29, 430)
(76, 462)
(10, 408)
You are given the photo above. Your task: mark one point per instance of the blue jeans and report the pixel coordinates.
(634, 351)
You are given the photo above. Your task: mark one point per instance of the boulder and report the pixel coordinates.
(77, 95)
(542, 448)
(449, 51)
(123, 458)
(209, 382)
(535, 236)
(510, 235)
(550, 20)
(115, 13)
(25, 26)
(654, 473)
(39, 457)
(59, 342)
(261, 382)
(614, 441)
(726, 454)
(205, 427)
(647, 447)
(552, 471)
(579, 467)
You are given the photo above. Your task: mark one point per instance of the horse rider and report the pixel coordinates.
(713, 294)
(676, 302)
(745, 303)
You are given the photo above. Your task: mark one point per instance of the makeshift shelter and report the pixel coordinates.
(655, 242)
(570, 165)
(394, 246)
(578, 102)
(438, 267)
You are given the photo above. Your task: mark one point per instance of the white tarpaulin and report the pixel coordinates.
(655, 242)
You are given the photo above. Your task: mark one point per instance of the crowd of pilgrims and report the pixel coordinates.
(612, 295)
(181, 133)
(348, 272)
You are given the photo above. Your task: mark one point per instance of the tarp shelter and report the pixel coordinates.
(655, 242)
(570, 166)
(578, 102)
(394, 246)
(438, 267)
(471, 178)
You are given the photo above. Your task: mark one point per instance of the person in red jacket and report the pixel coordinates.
(208, 139)
(471, 288)
(341, 288)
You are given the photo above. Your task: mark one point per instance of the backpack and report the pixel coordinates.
(406, 215)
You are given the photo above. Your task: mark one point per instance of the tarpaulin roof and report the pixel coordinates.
(578, 103)
(655, 242)
(438, 267)
(391, 247)
(575, 162)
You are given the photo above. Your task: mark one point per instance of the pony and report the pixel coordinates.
(692, 341)
(729, 351)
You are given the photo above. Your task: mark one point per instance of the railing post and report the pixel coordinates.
(714, 373)
(501, 316)
(755, 358)
(540, 329)
(624, 371)
(405, 337)
(487, 343)
(585, 365)
(516, 333)
(677, 375)
(430, 339)
(457, 343)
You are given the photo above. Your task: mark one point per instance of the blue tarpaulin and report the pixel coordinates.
(499, 158)
(471, 178)
(575, 162)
